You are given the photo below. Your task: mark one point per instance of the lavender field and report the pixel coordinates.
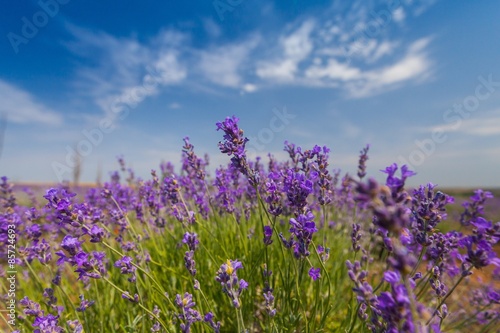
(261, 245)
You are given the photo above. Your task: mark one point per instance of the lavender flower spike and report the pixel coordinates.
(231, 285)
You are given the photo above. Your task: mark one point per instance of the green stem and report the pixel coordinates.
(355, 318)
(138, 303)
(419, 260)
(448, 295)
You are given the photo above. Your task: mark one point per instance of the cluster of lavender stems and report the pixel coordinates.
(404, 268)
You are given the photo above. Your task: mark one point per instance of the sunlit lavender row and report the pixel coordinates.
(260, 246)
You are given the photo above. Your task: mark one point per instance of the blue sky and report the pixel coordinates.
(417, 80)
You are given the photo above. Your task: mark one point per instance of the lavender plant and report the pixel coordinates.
(313, 250)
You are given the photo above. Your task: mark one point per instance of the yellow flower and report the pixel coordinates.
(229, 267)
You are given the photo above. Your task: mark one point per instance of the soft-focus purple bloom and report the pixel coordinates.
(269, 302)
(189, 262)
(402, 260)
(392, 277)
(314, 273)
(387, 205)
(47, 324)
(96, 234)
(363, 157)
(71, 244)
(31, 308)
(209, 319)
(75, 325)
(356, 236)
(268, 233)
(196, 164)
(474, 208)
(480, 253)
(127, 296)
(191, 240)
(84, 304)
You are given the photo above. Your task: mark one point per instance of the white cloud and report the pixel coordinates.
(333, 70)
(485, 124)
(383, 48)
(421, 6)
(316, 52)
(294, 48)
(399, 15)
(211, 28)
(223, 65)
(414, 65)
(249, 88)
(21, 107)
(124, 70)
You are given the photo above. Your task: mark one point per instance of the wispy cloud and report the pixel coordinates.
(21, 107)
(413, 65)
(294, 48)
(125, 70)
(225, 65)
(312, 51)
(484, 124)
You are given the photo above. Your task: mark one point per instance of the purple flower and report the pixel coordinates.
(30, 308)
(302, 228)
(127, 296)
(191, 240)
(48, 293)
(314, 273)
(96, 234)
(47, 324)
(234, 142)
(170, 189)
(71, 244)
(196, 165)
(268, 233)
(392, 277)
(321, 174)
(243, 284)
(363, 157)
(356, 236)
(387, 204)
(402, 260)
(269, 302)
(84, 304)
(297, 188)
(273, 197)
(475, 207)
(189, 262)
(34, 231)
(428, 209)
(480, 253)
(88, 264)
(75, 325)
(231, 285)
(234, 145)
(209, 318)
(187, 315)
(126, 267)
